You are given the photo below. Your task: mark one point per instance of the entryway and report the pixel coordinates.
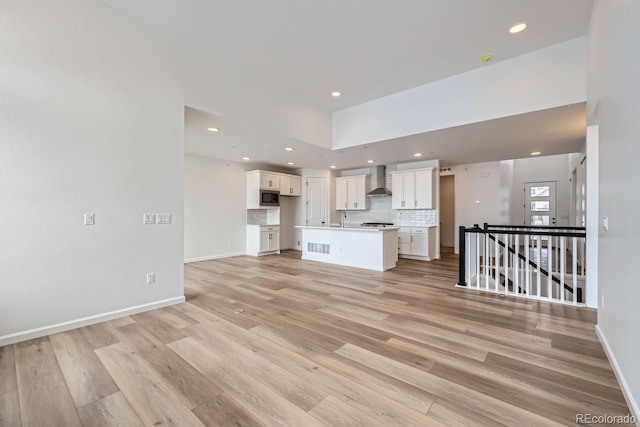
(447, 213)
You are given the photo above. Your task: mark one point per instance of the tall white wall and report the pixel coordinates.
(614, 105)
(214, 208)
(547, 78)
(477, 195)
(91, 120)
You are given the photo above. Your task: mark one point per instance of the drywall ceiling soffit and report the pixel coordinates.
(553, 131)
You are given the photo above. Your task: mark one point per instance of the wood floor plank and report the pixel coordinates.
(335, 412)
(85, 375)
(399, 391)
(385, 410)
(298, 391)
(503, 412)
(7, 370)
(43, 393)
(110, 411)
(10, 409)
(266, 405)
(152, 400)
(99, 335)
(223, 411)
(192, 388)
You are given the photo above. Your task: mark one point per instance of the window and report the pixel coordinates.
(540, 191)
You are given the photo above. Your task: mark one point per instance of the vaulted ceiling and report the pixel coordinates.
(365, 49)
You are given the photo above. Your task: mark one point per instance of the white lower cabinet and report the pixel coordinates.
(416, 242)
(263, 239)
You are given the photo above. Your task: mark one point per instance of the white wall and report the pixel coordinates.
(478, 198)
(614, 105)
(91, 120)
(214, 208)
(546, 78)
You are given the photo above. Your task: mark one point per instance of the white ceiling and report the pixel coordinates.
(367, 49)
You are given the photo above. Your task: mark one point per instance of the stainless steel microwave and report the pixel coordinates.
(269, 198)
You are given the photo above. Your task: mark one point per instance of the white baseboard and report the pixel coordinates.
(210, 257)
(85, 321)
(633, 405)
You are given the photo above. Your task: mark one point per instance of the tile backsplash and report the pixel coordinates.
(380, 211)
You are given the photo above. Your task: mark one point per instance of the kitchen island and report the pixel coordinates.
(373, 248)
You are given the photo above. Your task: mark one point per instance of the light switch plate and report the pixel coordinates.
(164, 218)
(151, 278)
(149, 218)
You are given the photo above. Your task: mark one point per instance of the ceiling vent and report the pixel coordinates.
(380, 190)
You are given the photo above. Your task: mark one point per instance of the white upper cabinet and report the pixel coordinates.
(351, 193)
(412, 189)
(269, 180)
(290, 185)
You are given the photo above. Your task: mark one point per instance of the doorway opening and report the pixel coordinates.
(447, 213)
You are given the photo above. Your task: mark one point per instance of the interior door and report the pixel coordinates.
(540, 203)
(316, 201)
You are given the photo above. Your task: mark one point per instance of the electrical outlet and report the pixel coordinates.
(151, 278)
(89, 219)
(164, 218)
(149, 218)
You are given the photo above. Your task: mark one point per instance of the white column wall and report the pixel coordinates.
(614, 105)
(91, 121)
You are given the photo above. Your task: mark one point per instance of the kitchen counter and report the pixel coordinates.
(350, 228)
(373, 248)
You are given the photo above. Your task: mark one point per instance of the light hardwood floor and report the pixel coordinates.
(281, 342)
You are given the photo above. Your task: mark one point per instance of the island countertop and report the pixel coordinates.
(348, 228)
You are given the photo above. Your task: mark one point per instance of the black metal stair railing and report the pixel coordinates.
(491, 231)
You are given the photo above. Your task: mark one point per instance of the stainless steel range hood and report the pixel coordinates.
(380, 190)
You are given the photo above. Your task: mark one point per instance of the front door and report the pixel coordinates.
(316, 201)
(540, 203)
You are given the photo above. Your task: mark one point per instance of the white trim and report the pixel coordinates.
(210, 257)
(85, 321)
(501, 293)
(626, 391)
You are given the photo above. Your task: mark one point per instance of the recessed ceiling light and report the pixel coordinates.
(246, 158)
(213, 129)
(517, 27)
(369, 161)
(417, 154)
(336, 94)
(486, 58)
(290, 163)
(332, 166)
(536, 153)
(289, 148)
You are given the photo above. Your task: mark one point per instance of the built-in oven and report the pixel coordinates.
(269, 198)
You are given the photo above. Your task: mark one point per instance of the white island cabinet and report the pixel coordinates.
(363, 247)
